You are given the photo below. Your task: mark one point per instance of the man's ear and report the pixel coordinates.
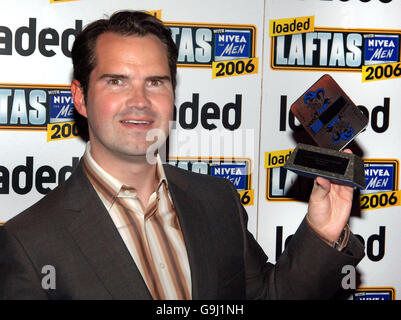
(78, 97)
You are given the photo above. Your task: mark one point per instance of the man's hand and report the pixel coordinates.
(329, 207)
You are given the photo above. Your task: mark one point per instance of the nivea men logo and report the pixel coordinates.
(334, 49)
(32, 107)
(237, 173)
(381, 49)
(201, 44)
(61, 106)
(232, 44)
(283, 185)
(381, 175)
(374, 294)
(237, 170)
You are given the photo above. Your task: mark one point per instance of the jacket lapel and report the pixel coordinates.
(99, 241)
(194, 225)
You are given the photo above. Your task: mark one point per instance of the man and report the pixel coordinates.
(123, 228)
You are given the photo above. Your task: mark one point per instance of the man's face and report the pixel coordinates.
(130, 92)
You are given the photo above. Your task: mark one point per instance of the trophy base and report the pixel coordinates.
(336, 166)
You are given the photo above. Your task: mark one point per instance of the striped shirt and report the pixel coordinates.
(152, 234)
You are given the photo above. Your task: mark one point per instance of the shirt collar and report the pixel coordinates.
(112, 186)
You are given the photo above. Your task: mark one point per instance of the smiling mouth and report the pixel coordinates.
(136, 121)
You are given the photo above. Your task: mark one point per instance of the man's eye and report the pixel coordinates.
(115, 82)
(155, 83)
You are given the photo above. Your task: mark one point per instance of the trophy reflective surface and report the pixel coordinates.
(333, 121)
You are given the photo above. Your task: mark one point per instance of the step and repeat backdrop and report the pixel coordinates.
(241, 66)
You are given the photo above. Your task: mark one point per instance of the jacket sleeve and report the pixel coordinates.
(307, 269)
(18, 278)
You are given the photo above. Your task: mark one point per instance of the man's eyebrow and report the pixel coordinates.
(113, 76)
(123, 76)
(166, 77)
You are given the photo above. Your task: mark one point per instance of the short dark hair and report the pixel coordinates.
(124, 23)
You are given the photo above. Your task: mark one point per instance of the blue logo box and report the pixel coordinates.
(379, 177)
(232, 44)
(61, 107)
(381, 49)
(373, 296)
(236, 173)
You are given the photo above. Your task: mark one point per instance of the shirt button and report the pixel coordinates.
(162, 265)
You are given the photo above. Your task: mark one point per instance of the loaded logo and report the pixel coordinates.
(374, 294)
(27, 176)
(329, 49)
(30, 107)
(291, 25)
(237, 170)
(192, 112)
(27, 38)
(201, 44)
(374, 244)
(277, 158)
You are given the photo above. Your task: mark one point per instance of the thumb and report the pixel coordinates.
(321, 187)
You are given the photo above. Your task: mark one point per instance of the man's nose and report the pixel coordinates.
(138, 97)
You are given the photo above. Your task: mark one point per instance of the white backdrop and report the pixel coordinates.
(240, 117)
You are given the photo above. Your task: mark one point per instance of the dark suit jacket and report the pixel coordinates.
(71, 230)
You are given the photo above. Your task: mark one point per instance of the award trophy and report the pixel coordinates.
(333, 121)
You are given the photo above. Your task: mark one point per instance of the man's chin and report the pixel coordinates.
(138, 154)
(138, 151)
